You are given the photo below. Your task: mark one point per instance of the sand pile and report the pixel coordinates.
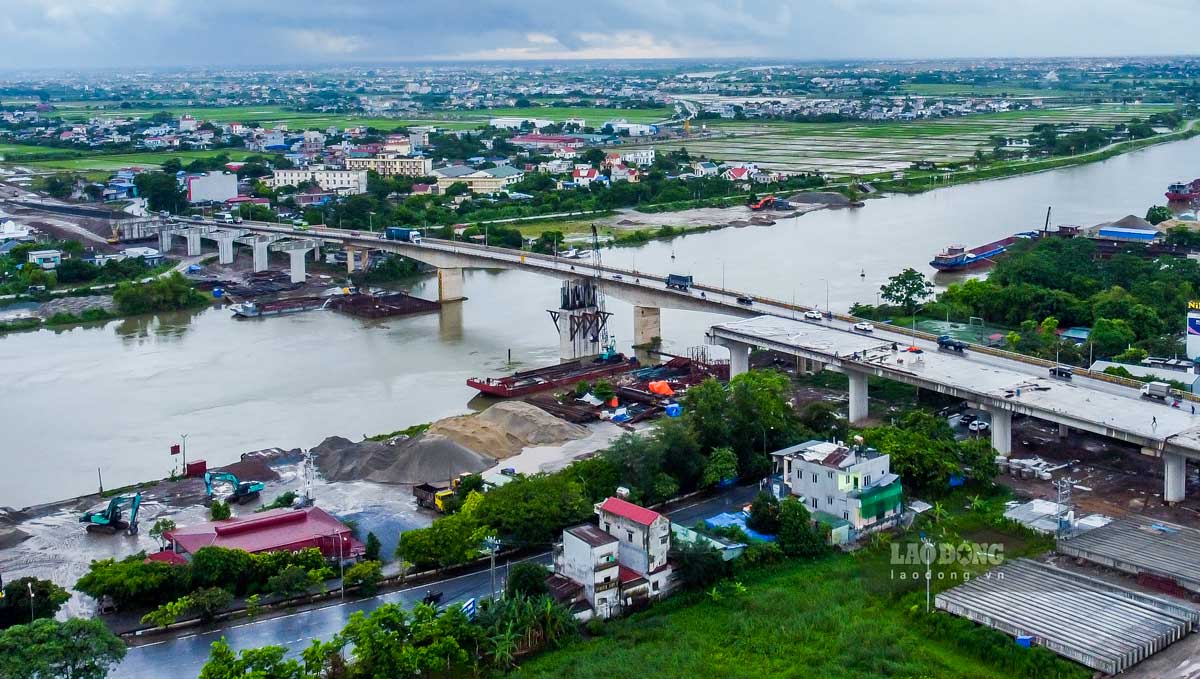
(429, 457)
(821, 197)
(1131, 222)
(506, 428)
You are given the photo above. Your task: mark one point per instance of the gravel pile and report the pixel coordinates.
(75, 305)
(428, 457)
(506, 428)
(820, 197)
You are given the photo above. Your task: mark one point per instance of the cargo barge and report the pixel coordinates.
(561, 375)
(277, 307)
(958, 258)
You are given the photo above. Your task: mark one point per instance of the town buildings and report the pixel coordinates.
(270, 531)
(618, 565)
(342, 182)
(490, 180)
(393, 164)
(214, 187)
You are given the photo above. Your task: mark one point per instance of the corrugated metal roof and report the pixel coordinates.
(1137, 544)
(273, 530)
(1090, 621)
(591, 535)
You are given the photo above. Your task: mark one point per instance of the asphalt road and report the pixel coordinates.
(183, 657)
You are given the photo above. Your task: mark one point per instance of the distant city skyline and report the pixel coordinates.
(65, 34)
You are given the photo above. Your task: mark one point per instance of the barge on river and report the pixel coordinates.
(561, 375)
(278, 307)
(958, 258)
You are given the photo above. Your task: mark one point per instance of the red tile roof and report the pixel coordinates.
(628, 575)
(271, 531)
(615, 505)
(167, 556)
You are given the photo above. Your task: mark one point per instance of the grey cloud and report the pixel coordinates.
(101, 33)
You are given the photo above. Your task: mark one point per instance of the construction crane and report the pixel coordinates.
(243, 491)
(111, 518)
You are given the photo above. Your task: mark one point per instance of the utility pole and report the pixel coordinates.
(183, 450)
(926, 555)
(492, 544)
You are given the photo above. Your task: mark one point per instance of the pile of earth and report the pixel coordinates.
(829, 198)
(506, 428)
(427, 457)
(75, 305)
(10, 535)
(1130, 222)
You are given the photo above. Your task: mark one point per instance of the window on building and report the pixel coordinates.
(828, 500)
(831, 475)
(607, 527)
(814, 477)
(607, 578)
(654, 585)
(815, 504)
(629, 535)
(867, 480)
(846, 515)
(663, 540)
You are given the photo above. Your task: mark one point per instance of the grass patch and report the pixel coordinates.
(407, 431)
(844, 616)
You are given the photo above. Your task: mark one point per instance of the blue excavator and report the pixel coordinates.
(243, 491)
(112, 519)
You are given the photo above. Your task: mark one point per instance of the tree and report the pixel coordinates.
(1111, 336)
(721, 466)
(270, 662)
(133, 581)
(1159, 213)
(451, 540)
(533, 510)
(208, 602)
(220, 510)
(527, 579)
(760, 418)
(161, 526)
(797, 537)
(697, 565)
(161, 191)
(47, 599)
(371, 552)
(222, 567)
(365, 575)
(75, 649)
(705, 408)
(290, 581)
(907, 289)
(764, 514)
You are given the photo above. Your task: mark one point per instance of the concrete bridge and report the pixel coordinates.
(999, 382)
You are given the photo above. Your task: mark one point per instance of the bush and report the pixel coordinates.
(764, 514)
(365, 575)
(372, 548)
(527, 579)
(289, 581)
(134, 581)
(15, 605)
(220, 510)
(797, 536)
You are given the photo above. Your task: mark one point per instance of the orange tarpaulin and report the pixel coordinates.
(661, 388)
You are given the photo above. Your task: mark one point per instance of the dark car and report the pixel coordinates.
(745, 301)
(1062, 372)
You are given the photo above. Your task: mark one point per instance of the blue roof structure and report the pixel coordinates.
(1123, 233)
(738, 519)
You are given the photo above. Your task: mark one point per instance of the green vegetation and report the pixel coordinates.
(15, 606)
(413, 430)
(75, 649)
(165, 293)
(847, 616)
(282, 501)
(204, 604)
(365, 575)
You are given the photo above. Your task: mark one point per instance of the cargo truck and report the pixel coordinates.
(678, 282)
(431, 496)
(1158, 390)
(401, 234)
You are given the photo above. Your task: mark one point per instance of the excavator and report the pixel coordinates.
(243, 491)
(111, 519)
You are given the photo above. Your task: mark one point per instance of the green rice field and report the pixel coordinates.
(123, 160)
(864, 148)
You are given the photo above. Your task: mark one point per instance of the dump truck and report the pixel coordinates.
(402, 234)
(678, 282)
(432, 497)
(1158, 390)
(950, 344)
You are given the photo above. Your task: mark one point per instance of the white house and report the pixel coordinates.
(842, 484)
(638, 157)
(343, 182)
(584, 176)
(216, 187)
(46, 259)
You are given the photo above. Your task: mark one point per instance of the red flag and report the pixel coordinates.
(174, 448)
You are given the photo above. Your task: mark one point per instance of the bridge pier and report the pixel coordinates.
(225, 248)
(647, 325)
(450, 285)
(1063, 432)
(1174, 477)
(296, 250)
(164, 240)
(739, 357)
(859, 409)
(260, 254)
(1001, 430)
(193, 244)
(350, 263)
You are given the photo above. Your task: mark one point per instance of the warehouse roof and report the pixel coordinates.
(270, 531)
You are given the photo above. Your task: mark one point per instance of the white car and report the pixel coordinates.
(812, 315)
(863, 326)
(978, 426)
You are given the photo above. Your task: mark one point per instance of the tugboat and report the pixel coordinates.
(1180, 191)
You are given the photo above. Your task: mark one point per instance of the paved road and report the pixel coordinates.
(186, 655)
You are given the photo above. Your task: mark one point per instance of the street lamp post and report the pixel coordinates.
(29, 585)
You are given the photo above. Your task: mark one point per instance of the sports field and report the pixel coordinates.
(862, 148)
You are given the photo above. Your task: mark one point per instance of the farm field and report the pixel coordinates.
(16, 150)
(119, 161)
(863, 148)
(1012, 90)
(594, 116)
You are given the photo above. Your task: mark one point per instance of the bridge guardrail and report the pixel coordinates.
(980, 348)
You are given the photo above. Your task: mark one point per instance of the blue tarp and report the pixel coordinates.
(736, 519)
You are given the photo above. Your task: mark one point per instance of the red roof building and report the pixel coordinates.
(271, 531)
(628, 510)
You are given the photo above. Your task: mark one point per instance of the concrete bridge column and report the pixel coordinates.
(1063, 431)
(350, 261)
(225, 249)
(193, 244)
(1174, 477)
(297, 268)
(1001, 430)
(647, 325)
(739, 357)
(450, 285)
(260, 255)
(164, 241)
(859, 409)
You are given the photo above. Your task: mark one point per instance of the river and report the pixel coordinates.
(115, 395)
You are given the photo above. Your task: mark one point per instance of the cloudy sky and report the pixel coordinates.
(102, 33)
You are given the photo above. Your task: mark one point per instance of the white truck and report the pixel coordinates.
(1158, 390)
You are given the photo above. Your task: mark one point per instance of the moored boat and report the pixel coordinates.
(958, 258)
(564, 374)
(1180, 191)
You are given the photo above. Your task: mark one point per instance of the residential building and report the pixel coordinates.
(490, 180)
(393, 164)
(275, 530)
(839, 483)
(10, 230)
(343, 182)
(584, 176)
(214, 187)
(187, 123)
(638, 158)
(620, 564)
(632, 129)
(705, 168)
(517, 123)
(398, 143)
(622, 173)
(46, 259)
